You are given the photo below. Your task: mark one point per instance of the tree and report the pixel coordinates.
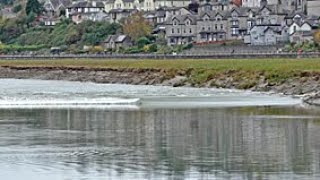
(317, 36)
(136, 26)
(34, 6)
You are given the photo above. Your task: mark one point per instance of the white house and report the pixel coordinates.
(84, 7)
(299, 26)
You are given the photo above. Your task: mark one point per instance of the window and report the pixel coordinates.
(203, 28)
(203, 36)
(209, 28)
(249, 24)
(172, 30)
(190, 30)
(175, 23)
(235, 22)
(215, 26)
(184, 31)
(178, 30)
(221, 26)
(234, 31)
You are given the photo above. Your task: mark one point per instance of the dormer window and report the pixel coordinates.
(175, 22)
(234, 14)
(188, 22)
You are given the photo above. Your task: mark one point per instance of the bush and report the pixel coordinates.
(18, 48)
(17, 8)
(133, 50)
(96, 50)
(141, 42)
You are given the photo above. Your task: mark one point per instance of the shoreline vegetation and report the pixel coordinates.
(287, 76)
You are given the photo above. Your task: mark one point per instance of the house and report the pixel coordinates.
(144, 5)
(299, 26)
(121, 4)
(50, 21)
(56, 7)
(81, 7)
(238, 20)
(212, 26)
(266, 35)
(90, 16)
(181, 29)
(116, 15)
(290, 5)
(117, 41)
(313, 7)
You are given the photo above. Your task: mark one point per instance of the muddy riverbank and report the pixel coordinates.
(303, 83)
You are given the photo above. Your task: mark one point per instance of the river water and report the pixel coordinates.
(70, 130)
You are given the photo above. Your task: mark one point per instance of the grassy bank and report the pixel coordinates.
(198, 71)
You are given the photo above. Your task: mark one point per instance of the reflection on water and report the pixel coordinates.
(204, 143)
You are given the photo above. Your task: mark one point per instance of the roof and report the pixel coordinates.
(212, 14)
(265, 28)
(122, 10)
(291, 15)
(87, 4)
(181, 19)
(56, 4)
(242, 11)
(116, 38)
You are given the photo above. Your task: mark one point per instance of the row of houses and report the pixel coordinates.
(205, 22)
(257, 26)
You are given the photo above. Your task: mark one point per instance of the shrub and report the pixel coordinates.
(141, 42)
(17, 8)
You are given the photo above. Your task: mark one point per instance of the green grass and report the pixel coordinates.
(275, 70)
(280, 65)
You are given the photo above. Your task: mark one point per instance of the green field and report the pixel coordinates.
(200, 71)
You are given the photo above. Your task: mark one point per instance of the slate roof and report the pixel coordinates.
(87, 4)
(116, 38)
(181, 19)
(56, 4)
(212, 14)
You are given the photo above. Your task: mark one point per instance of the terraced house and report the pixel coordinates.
(145, 5)
(86, 10)
(264, 25)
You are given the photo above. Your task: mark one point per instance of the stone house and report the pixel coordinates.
(92, 16)
(117, 41)
(238, 20)
(265, 35)
(290, 5)
(313, 7)
(117, 15)
(81, 7)
(50, 21)
(181, 29)
(56, 7)
(145, 5)
(212, 26)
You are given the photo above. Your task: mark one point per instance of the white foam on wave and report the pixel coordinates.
(8, 102)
